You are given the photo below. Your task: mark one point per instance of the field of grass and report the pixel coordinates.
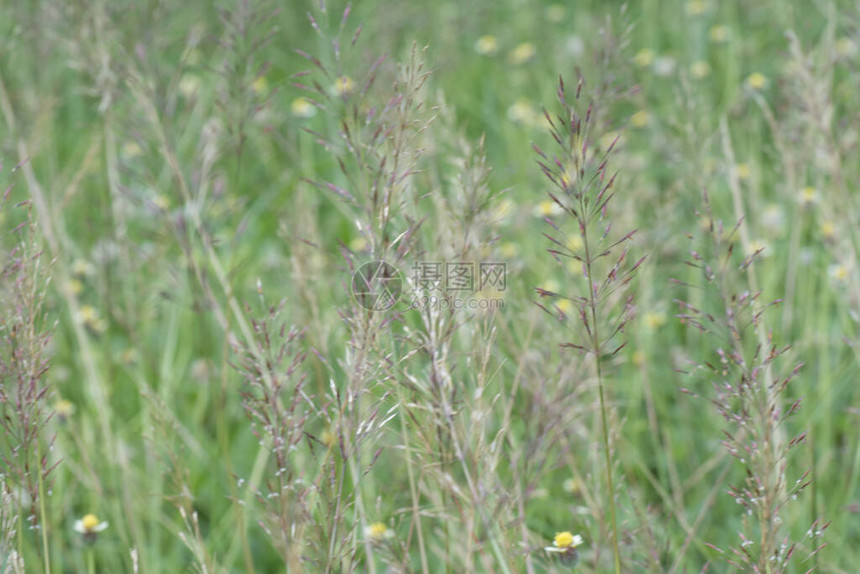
(623, 240)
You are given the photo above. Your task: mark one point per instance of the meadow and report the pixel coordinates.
(616, 329)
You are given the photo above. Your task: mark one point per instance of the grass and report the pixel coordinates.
(666, 374)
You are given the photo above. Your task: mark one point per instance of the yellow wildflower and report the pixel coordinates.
(566, 544)
(719, 33)
(130, 150)
(572, 485)
(696, 7)
(700, 69)
(88, 314)
(188, 85)
(640, 119)
(504, 209)
(358, 244)
(846, 47)
(827, 230)
(574, 243)
(547, 207)
(552, 286)
(75, 287)
(377, 532)
(344, 86)
(564, 305)
(567, 540)
(90, 527)
(808, 196)
(743, 171)
(644, 58)
(574, 267)
(758, 247)
(522, 111)
(81, 267)
(260, 85)
(487, 45)
(161, 202)
(757, 81)
(838, 273)
(64, 408)
(522, 54)
(654, 319)
(303, 108)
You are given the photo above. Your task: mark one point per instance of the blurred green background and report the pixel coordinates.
(99, 97)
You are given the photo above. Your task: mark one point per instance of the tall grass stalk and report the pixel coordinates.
(583, 191)
(731, 312)
(25, 336)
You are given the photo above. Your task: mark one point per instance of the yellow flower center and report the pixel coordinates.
(88, 314)
(719, 33)
(89, 522)
(643, 58)
(840, 273)
(700, 69)
(564, 540)
(260, 85)
(302, 108)
(655, 320)
(64, 407)
(547, 207)
(377, 530)
(696, 7)
(487, 45)
(640, 119)
(344, 85)
(522, 53)
(756, 81)
(809, 195)
(574, 243)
